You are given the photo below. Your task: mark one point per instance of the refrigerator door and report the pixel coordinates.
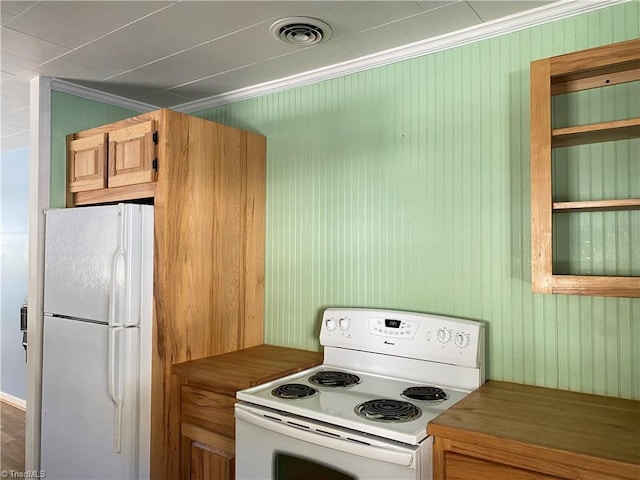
(92, 263)
(84, 434)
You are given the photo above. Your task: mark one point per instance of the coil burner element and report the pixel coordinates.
(426, 393)
(388, 410)
(294, 391)
(334, 378)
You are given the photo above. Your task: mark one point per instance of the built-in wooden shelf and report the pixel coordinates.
(596, 133)
(587, 69)
(113, 194)
(603, 77)
(602, 285)
(597, 205)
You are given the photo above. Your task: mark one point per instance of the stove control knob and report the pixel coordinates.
(331, 324)
(345, 323)
(461, 340)
(444, 334)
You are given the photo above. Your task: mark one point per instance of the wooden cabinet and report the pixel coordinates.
(518, 432)
(209, 199)
(114, 157)
(601, 68)
(207, 390)
(132, 154)
(87, 163)
(206, 455)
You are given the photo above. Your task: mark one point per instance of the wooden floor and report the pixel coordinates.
(12, 436)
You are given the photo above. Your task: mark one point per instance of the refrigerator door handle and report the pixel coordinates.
(114, 319)
(113, 375)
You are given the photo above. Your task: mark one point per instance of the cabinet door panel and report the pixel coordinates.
(131, 154)
(462, 467)
(207, 464)
(86, 163)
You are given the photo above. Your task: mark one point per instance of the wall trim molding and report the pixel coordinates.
(65, 86)
(510, 24)
(513, 23)
(39, 182)
(13, 401)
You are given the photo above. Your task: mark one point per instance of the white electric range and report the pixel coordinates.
(363, 413)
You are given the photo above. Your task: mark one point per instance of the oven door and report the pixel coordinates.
(272, 445)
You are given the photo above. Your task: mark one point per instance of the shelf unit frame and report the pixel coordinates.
(593, 68)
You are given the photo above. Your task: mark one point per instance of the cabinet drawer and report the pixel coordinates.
(462, 467)
(209, 410)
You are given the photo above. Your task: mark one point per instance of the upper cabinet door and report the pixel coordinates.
(131, 154)
(86, 163)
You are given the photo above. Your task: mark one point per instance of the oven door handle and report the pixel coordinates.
(387, 454)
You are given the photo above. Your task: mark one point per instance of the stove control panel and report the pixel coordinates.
(389, 327)
(436, 338)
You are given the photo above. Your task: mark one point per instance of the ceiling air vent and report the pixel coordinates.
(301, 31)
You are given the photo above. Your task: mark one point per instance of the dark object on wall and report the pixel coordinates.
(23, 326)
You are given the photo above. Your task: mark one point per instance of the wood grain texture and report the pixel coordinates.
(230, 372)
(131, 154)
(596, 285)
(597, 59)
(597, 205)
(208, 409)
(541, 188)
(87, 163)
(596, 133)
(461, 467)
(207, 465)
(571, 72)
(200, 254)
(556, 432)
(207, 389)
(579, 82)
(110, 195)
(12, 435)
(254, 215)
(206, 457)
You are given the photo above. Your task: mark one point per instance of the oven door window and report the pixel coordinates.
(289, 467)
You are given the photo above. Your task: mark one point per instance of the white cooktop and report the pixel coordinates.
(336, 405)
(390, 351)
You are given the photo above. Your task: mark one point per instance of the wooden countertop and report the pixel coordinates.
(567, 427)
(233, 371)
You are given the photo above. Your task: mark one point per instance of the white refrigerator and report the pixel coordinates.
(96, 384)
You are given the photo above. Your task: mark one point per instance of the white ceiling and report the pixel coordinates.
(169, 53)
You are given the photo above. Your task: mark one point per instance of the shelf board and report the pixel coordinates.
(113, 194)
(607, 77)
(597, 205)
(606, 286)
(596, 132)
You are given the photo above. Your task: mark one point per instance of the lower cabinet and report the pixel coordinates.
(463, 467)
(206, 455)
(506, 431)
(204, 392)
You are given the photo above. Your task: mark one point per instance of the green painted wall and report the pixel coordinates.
(70, 114)
(407, 187)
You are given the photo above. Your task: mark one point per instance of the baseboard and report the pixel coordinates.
(13, 401)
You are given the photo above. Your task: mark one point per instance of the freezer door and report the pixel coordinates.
(87, 434)
(92, 262)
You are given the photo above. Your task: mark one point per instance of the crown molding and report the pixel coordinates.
(65, 86)
(483, 31)
(519, 21)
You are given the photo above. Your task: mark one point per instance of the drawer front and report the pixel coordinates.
(209, 410)
(461, 467)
